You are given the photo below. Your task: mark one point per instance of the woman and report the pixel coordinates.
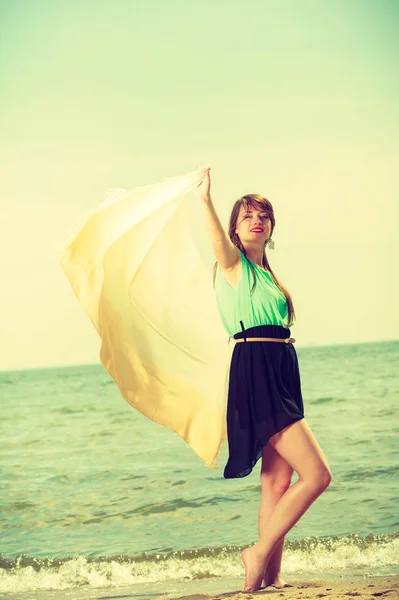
(265, 410)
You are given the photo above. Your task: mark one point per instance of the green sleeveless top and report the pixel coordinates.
(265, 306)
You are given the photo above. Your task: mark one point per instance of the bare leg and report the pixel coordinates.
(298, 446)
(275, 478)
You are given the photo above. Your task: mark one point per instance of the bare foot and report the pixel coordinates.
(254, 564)
(275, 581)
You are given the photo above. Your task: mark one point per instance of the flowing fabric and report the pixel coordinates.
(139, 268)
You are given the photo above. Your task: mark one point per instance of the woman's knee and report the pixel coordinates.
(275, 473)
(320, 478)
(325, 478)
(299, 447)
(276, 484)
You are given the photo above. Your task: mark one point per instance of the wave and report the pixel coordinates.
(330, 556)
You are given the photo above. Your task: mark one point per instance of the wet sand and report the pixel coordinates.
(368, 588)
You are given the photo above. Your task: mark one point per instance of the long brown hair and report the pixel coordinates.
(262, 203)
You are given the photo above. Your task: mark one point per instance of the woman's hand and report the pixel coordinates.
(203, 190)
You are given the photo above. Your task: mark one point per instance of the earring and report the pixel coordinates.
(270, 243)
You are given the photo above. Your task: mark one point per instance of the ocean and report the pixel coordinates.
(96, 497)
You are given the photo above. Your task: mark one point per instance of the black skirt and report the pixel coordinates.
(264, 396)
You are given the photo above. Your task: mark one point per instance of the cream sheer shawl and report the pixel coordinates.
(141, 268)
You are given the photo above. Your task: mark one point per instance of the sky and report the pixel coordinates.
(297, 101)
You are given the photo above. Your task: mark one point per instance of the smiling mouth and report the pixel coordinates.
(257, 230)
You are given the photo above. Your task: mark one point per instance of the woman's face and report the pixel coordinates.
(253, 224)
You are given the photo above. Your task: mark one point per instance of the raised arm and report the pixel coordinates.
(227, 255)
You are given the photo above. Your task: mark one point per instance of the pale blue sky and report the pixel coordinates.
(296, 100)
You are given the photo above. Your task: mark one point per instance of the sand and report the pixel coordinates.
(368, 588)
